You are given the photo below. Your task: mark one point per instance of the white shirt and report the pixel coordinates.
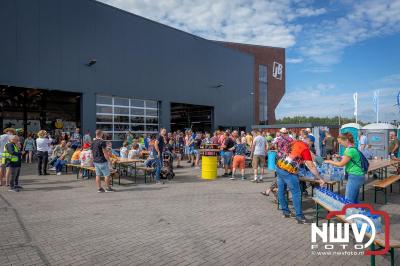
(133, 153)
(362, 141)
(3, 141)
(43, 144)
(123, 152)
(259, 143)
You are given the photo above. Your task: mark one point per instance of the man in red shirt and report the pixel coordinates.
(287, 172)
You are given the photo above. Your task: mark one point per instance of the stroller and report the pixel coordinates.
(167, 171)
(166, 167)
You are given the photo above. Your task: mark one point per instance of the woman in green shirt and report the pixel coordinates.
(352, 162)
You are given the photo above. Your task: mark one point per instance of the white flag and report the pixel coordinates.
(376, 101)
(355, 96)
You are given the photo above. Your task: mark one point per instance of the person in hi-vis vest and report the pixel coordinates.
(12, 159)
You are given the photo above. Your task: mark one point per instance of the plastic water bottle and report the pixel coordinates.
(360, 222)
(317, 194)
(323, 196)
(349, 212)
(377, 222)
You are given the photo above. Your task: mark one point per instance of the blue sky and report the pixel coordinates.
(333, 47)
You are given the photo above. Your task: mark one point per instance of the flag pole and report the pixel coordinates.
(355, 98)
(376, 104)
(377, 107)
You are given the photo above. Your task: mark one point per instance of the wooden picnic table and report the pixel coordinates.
(380, 166)
(209, 145)
(127, 161)
(379, 237)
(91, 169)
(212, 152)
(205, 150)
(313, 183)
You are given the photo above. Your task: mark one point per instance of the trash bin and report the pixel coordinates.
(271, 160)
(209, 165)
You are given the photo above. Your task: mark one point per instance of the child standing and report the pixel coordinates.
(29, 148)
(239, 159)
(86, 158)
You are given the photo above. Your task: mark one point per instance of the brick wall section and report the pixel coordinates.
(264, 55)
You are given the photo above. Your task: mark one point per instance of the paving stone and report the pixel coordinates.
(58, 220)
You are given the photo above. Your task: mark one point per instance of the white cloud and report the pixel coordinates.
(391, 79)
(262, 22)
(294, 60)
(318, 44)
(325, 42)
(326, 100)
(307, 12)
(275, 23)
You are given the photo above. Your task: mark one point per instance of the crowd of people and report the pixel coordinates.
(293, 153)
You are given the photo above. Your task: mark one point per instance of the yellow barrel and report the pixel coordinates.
(209, 167)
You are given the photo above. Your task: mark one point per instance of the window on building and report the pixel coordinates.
(116, 116)
(263, 93)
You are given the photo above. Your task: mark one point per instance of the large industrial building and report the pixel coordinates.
(82, 63)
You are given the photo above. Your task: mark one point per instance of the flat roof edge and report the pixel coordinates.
(305, 125)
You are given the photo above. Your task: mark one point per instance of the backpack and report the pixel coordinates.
(363, 163)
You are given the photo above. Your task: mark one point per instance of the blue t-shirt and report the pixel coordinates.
(76, 138)
(192, 141)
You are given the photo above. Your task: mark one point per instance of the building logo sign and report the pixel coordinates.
(277, 70)
(376, 139)
(59, 124)
(362, 220)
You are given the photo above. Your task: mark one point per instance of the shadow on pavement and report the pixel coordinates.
(49, 188)
(140, 189)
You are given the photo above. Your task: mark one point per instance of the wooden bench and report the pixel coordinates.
(379, 242)
(382, 185)
(113, 173)
(146, 170)
(77, 166)
(92, 169)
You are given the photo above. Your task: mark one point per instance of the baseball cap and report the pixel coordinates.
(86, 145)
(283, 130)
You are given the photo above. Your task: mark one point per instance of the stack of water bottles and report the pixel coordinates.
(332, 173)
(331, 199)
(336, 202)
(376, 219)
(306, 174)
